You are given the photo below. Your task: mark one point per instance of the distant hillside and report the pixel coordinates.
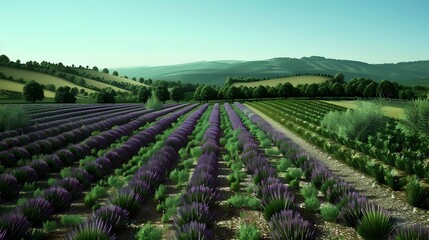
(109, 76)
(295, 80)
(17, 87)
(215, 72)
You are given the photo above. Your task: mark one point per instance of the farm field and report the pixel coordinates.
(40, 78)
(110, 77)
(217, 171)
(295, 80)
(390, 109)
(17, 87)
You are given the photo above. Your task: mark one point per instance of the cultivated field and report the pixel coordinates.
(218, 171)
(293, 80)
(17, 87)
(110, 77)
(39, 77)
(391, 109)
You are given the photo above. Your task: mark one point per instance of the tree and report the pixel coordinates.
(208, 93)
(197, 94)
(232, 93)
(4, 59)
(141, 80)
(162, 93)
(387, 89)
(285, 90)
(415, 119)
(370, 90)
(338, 78)
(50, 87)
(105, 97)
(406, 94)
(105, 70)
(95, 68)
(115, 73)
(177, 94)
(33, 91)
(311, 90)
(260, 92)
(65, 95)
(143, 94)
(337, 90)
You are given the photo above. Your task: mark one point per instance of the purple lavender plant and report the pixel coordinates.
(58, 197)
(36, 210)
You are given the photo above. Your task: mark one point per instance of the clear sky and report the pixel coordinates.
(117, 33)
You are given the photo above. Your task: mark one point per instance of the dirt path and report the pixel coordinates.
(393, 201)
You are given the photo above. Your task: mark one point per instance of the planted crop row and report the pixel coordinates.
(397, 171)
(60, 196)
(59, 111)
(195, 215)
(63, 120)
(277, 199)
(126, 202)
(38, 169)
(371, 221)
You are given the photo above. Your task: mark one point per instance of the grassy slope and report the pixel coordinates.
(40, 78)
(390, 109)
(17, 87)
(100, 85)
(111, 77)
(293, 80)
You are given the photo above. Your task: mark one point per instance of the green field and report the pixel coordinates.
(17, 87)
(110, 77)
(101, 85)
(40, 78)
(390, 109)
(293, 80)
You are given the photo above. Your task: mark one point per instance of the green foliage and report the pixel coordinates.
(284, 164)
(415, 121)
(71, 220)
(115, 181)
(272, 152)
(416, 194)
(29, 186)
(375, 225)
(12, 117)
(358, 124)
(149, 232)
(65, 95)
(248, 232)
(52, 181)
(312, 203)
(177, 94)
(179, 176)
(309, 191)
(95, 193)
(161, 193)
(49, 226)
(240, 201)
(106, 96)
(329, 212)
(33, 91)
(154, 103)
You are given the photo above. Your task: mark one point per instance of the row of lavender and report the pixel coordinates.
(111, 219)
(65, 110)
(64, 119)
(59, 197)
(38, 169)
(277, 200)
(55, 129)
(356, 210)
(195, 215)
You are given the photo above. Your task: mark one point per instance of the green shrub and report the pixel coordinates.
(92, 196)
(240, 201)
(196, 152)
(266, 143)
(71, 220)
(329, 212)
(149, 232)
(13, 117)
(29, 186)
(416, 193)
(49, 226)
(358, 123)
(154, 103)
(248, 232)
(52, 181)
(272, 152)
(312, 203)
(309, 191)
(375, 225)
(161, 193)
(115, 181)
(66, 172)
(188, 163)
(414, 121)
(284, 164)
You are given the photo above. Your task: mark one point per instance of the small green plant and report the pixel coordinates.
(284, 164)
(375, 225)
(12, 117)
(329, 212)
(71, 220)
(29, 186)
(196, 152)
(38, 192)
(149, 232)
(309, 191)
(240, 201)
(66, 172)
(52, 181)
(161, 193)
(179, 176)
(416, 194)
(266, 143)
(248, 232)
(21, 201)
(96, 193)
(115, 181)
(312, 203)
(272, 152)
(154, 103)
(49, 226)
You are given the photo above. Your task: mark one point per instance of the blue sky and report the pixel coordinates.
(112, 33)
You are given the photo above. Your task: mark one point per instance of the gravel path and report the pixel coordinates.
(393, 201)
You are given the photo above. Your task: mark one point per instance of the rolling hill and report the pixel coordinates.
(295, 80)
(17, 87)
(215, 72)
(109, 77)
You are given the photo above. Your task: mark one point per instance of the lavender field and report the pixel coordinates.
(187, 171)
